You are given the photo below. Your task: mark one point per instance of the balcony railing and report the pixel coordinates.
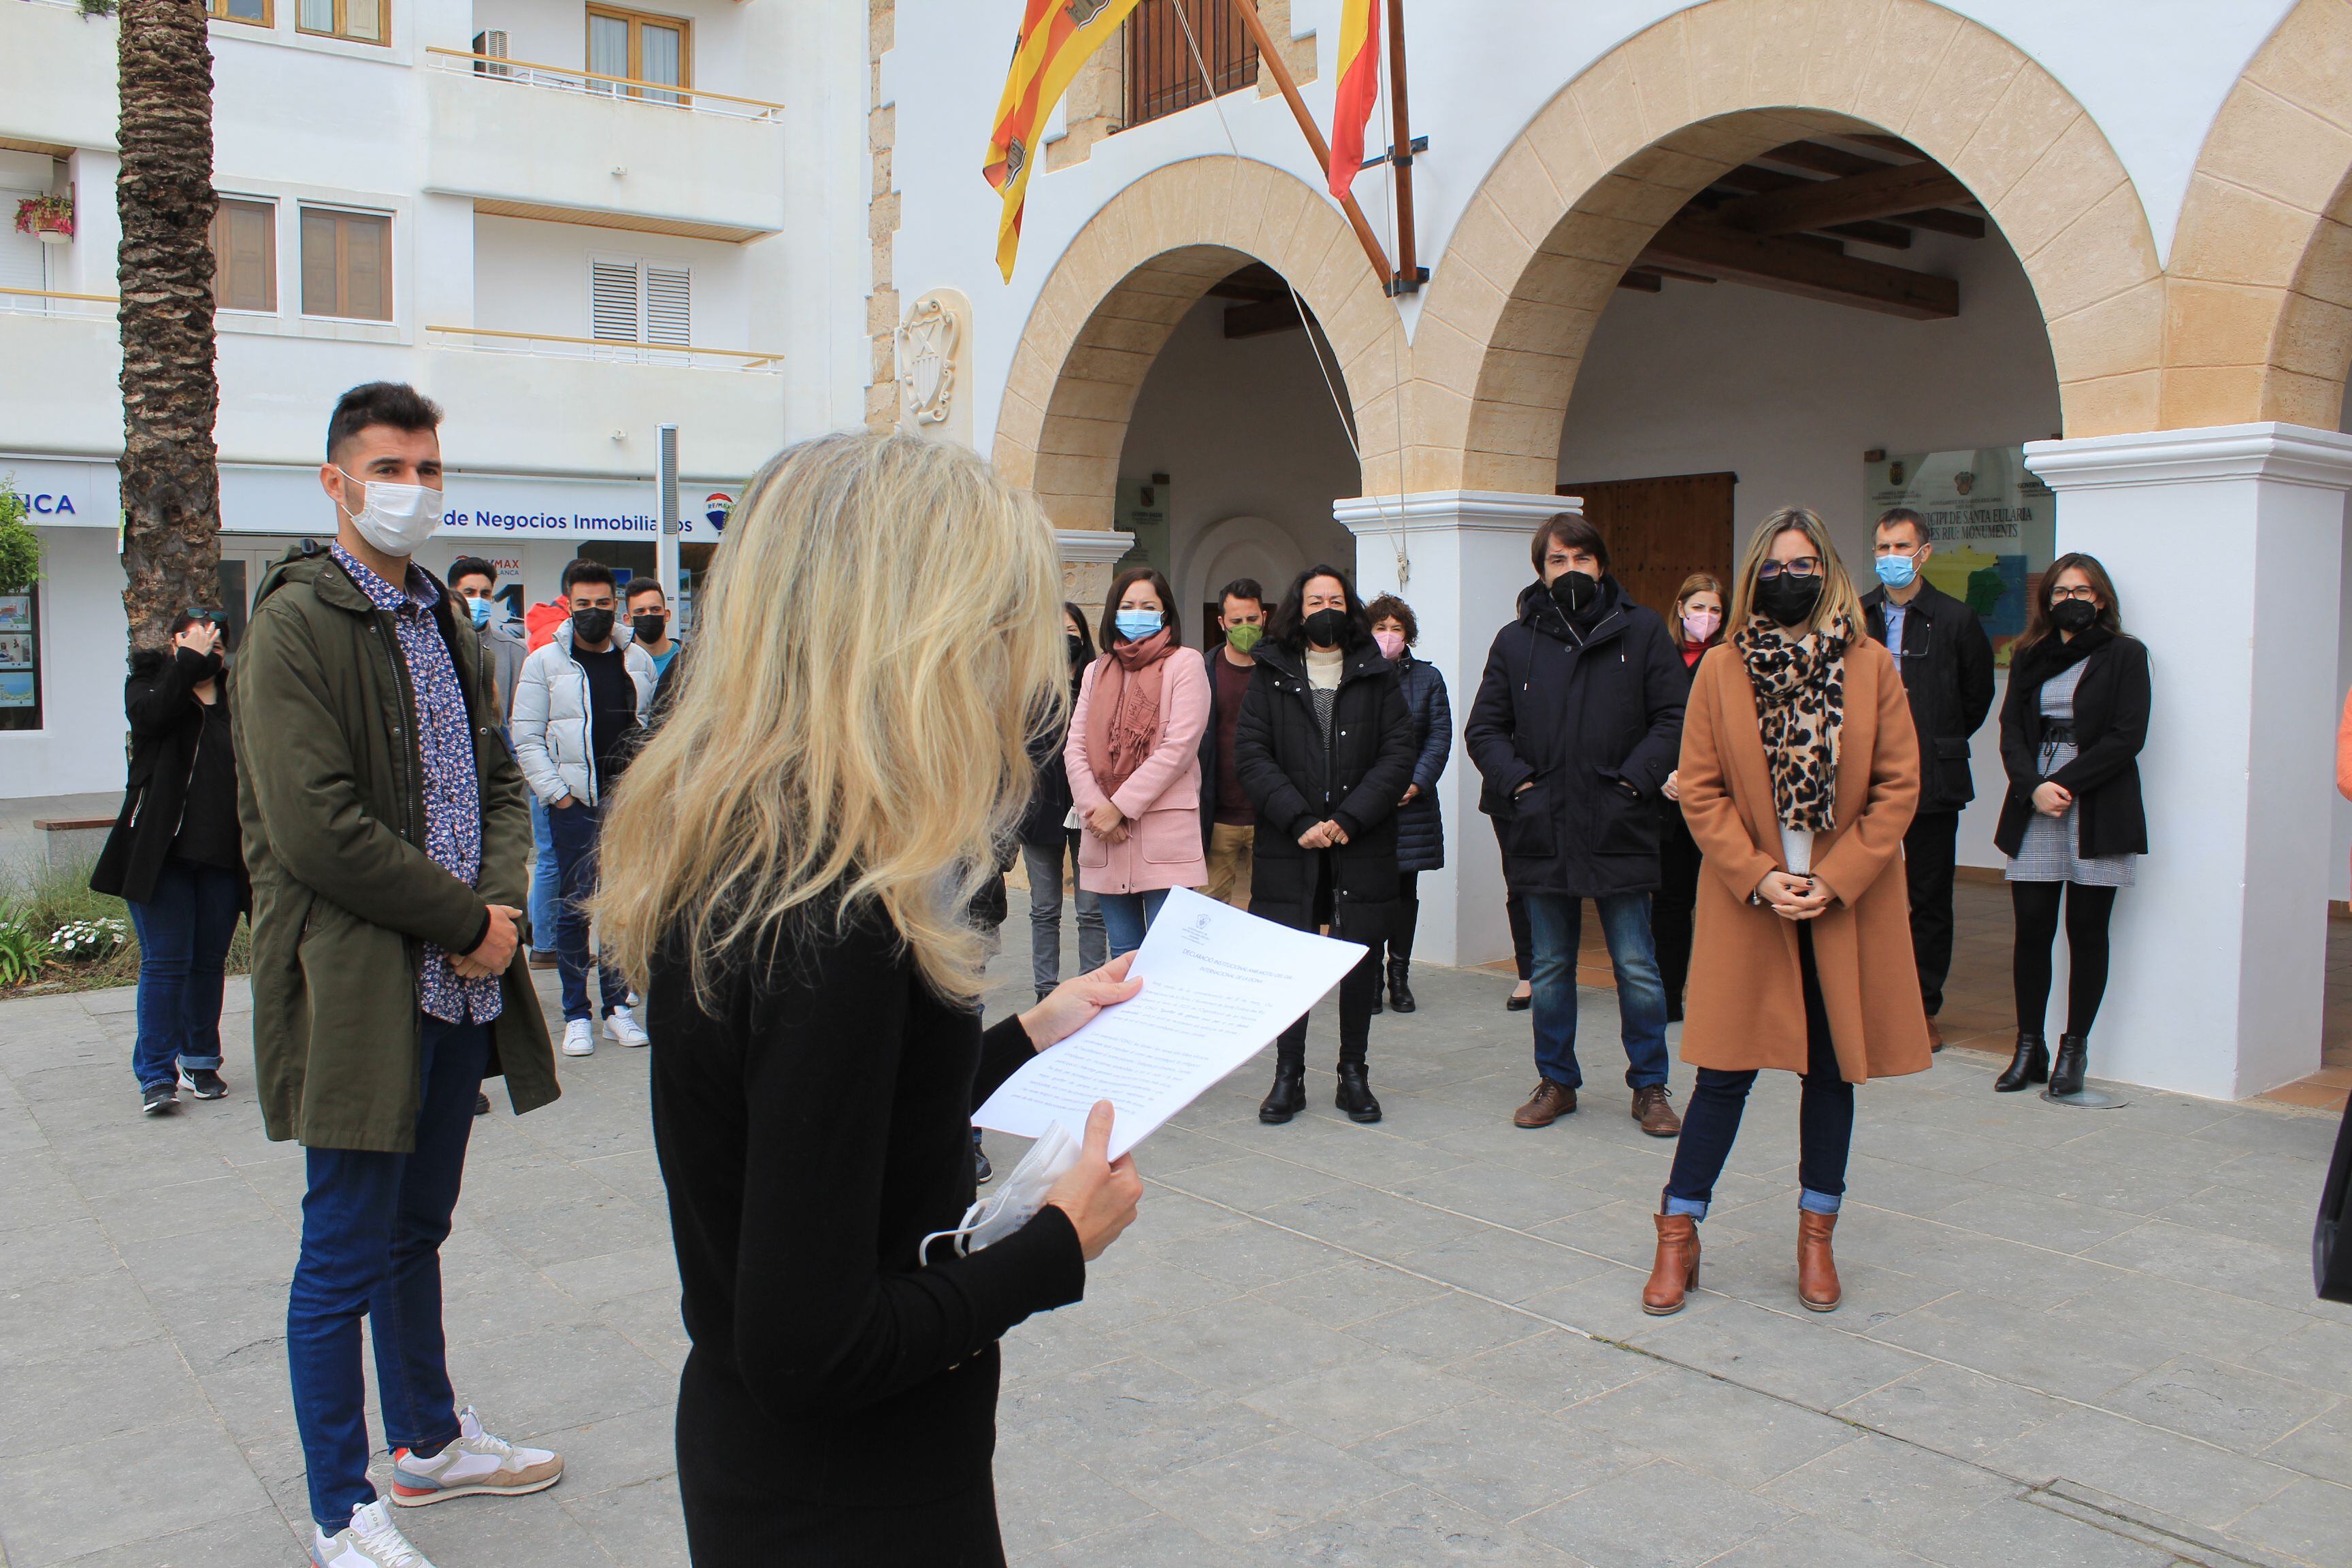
(546, 345)
(50, 302)
(669, 95)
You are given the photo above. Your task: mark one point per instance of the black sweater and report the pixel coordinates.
(812, 1131)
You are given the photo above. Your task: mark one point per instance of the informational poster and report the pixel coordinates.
(1143, 511)
(20, 674)
(1993, 524)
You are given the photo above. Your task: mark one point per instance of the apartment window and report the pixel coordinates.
(245, 255)
(255, 11)
(635, 301)
(1162, 75)
(346, 264)
(362, 20)
(642, 48)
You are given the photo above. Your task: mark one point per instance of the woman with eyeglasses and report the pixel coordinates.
(2071, 731)
(1800, 771)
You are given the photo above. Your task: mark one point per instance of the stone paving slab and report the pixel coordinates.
(2069, 1338)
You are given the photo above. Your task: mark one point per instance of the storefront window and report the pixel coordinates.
(20, 662)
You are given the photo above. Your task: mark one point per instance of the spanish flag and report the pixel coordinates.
(1359, 89)
(1057, 37)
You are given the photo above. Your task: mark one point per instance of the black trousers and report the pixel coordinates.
(2087, 913)
(1670, 905)
(1358, 990)
(1930, 850)
(1399, 940)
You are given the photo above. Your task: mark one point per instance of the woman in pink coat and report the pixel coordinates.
(1134, 757)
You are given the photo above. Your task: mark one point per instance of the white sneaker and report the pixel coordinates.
(371, 1540)
(579, 1038)
(472, 1465)
(622, 1025)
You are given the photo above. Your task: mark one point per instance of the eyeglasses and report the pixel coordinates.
(2084, 591)
(1802, 566)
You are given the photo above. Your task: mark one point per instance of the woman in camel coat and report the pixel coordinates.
(1800, 773)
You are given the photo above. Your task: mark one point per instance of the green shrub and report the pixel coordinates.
(22, 951)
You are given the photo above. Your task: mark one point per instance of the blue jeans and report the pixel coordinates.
(546, 881)
(373, 1225)
(1824, 1117)
(1127, 916)
(1043, 865)
(183, 929)
(1557, 925)
(574, 828)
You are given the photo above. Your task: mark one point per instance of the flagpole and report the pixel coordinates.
(1272, 58)
(1409, 274)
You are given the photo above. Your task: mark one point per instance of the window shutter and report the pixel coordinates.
(613, 300)
(670, 313)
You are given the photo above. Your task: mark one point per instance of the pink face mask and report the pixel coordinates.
(1700, 625)
(1392, 644)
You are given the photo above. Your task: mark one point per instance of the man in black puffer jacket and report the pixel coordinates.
(1578, 721)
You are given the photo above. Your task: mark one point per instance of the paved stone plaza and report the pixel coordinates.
(2069, 1337)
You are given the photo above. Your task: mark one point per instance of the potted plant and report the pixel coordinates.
(51, 218)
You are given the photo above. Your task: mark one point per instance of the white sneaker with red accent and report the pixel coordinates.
(474, 1464)
(369, 1540)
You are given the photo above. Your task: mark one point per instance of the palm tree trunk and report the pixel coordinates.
(170, 476)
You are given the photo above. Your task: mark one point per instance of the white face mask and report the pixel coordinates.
(395, 519)
(1016, 1203)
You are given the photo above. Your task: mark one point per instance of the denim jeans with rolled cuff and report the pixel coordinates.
(1557, 925)
(185, 926)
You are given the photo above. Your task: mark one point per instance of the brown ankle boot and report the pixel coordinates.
(1817, 1280)
(1675, 1272)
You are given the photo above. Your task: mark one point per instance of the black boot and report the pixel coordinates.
(2028, 1067)
(2067, 1075)
(1287, 1098)
(1400, 990)
(1355, 1096)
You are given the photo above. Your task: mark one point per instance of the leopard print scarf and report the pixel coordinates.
(1800, 714)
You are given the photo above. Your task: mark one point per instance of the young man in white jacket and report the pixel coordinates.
(577, 708)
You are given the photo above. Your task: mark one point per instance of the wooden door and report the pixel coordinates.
(1660, 530)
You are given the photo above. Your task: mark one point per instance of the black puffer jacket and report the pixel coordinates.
(167, 723)
(1296, 783)
(1594, 719)
(1421, 825)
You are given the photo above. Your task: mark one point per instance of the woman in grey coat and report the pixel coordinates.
(1421, 828)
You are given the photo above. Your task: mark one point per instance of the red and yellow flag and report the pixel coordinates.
(1057, 37)
(1359, 89)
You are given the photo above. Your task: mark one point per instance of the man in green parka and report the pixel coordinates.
(386, 832)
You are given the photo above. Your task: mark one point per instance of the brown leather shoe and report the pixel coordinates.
(1548, 1104)
(1935, 1035)
(1655, 1115)
(1817, 1280)
(543, 957)
(1675, 1272)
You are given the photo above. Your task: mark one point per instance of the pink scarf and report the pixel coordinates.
(1123, 718)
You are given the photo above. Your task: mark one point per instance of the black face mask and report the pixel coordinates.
(1324, 629)
(1078, 647)
(591, 626)
(1787, 599)
(1574, 592)
(2074, 615)
(648, 628)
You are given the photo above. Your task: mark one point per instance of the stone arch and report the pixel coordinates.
(1144, 258)
(1243, 546)
(2259, 300)
(1620, 149)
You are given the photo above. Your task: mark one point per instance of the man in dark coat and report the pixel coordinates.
(1228, 821)
(1578, 721)
(1946, 664)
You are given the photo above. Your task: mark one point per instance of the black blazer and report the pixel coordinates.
(1946, 660)
(166, 723)
(2111, 707)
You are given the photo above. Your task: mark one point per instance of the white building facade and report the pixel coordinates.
(2103, 301)
(567, 223)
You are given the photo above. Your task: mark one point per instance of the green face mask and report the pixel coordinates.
(1244, 638)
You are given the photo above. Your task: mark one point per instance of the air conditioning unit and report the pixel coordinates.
(490, 53)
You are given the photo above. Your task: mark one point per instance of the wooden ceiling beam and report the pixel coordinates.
(1767, 262)
(1642, 280)
(1943, 220)
(1888, 189)
(1752, 179)
(1262, 317)
(1887, 236)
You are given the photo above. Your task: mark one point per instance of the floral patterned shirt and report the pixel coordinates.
(453, 798)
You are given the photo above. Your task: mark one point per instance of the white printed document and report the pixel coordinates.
(1218, 985)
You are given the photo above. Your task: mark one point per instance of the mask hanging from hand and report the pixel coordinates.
(648, 628)
(1137, 625)
(1324, 629)
(1787, 599)
(1392, 644)
(2074, 615)
(1896, 571)
(1700, 625)
(1574, 592)
(1242, 638)
(591, 626)
(1017, 1201)
(395, 519)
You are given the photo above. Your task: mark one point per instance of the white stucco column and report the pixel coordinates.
(1459, 558)
(1087, 555)
(2225, 545)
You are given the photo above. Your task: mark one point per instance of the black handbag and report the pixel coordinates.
(2331, 1238)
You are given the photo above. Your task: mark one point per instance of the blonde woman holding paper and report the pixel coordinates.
(786, 869)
